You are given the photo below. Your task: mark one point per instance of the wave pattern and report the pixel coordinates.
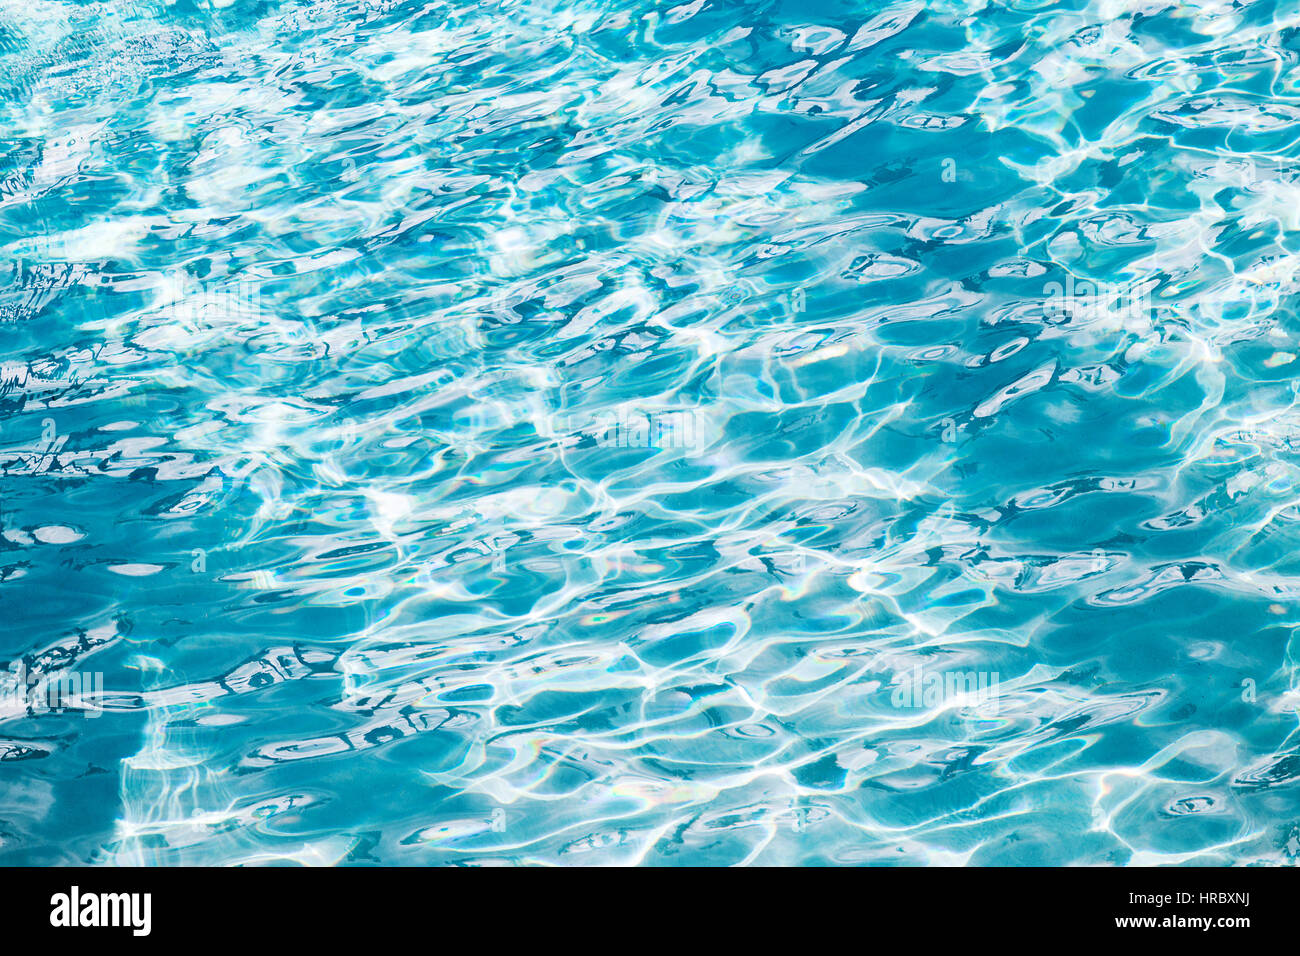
(574, 432)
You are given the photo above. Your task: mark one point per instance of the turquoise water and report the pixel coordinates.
(627, 433)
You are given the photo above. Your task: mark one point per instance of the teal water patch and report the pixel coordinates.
(703, 433)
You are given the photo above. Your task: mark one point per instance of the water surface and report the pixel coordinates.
(635, 433)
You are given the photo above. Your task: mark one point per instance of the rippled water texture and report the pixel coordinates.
(578, 432)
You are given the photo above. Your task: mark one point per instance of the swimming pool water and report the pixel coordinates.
(573, 432)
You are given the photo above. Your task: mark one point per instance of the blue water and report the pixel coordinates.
(573, 432)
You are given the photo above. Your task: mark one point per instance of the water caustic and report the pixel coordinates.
(576, 432)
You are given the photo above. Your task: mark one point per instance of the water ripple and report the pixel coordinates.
(724, 432)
